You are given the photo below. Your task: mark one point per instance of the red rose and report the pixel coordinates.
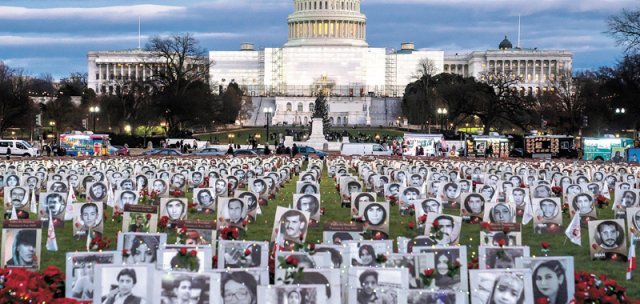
(428, 272)
(594, 246)
(423, 218)
(544, 245)
(485, 225)
(125, 252)
(244, 222)
(436, 223)
(247, 252)
(312, 246)
(193, 253)
(506, 229)
(183, 251)
(501, 242)
(148, 216)
(542, 300)
(411, 225)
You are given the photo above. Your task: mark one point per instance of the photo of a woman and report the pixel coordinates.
(549, 282)
(443, 259)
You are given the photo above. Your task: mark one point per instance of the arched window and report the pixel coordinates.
(288, 107)
(339, 120)
(311, 107)
(331, 120)
(300, 108)
(345, 121)
(306, 120)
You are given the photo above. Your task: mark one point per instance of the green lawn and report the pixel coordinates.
(261, 230)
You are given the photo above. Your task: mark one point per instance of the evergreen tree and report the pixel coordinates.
(321, 110)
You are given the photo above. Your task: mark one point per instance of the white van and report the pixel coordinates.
(18, 147)
(363, 149)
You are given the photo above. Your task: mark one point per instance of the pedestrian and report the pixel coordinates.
(266, 150)
(47, 149)
(489, 151)
(294, 150)
(230, 150)
(8, 153)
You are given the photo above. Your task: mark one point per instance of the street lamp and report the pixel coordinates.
(52, 125)
(268, 112)
(231, 136)
(620, 110)
(94, 111)
(127, 129)
(442, 112)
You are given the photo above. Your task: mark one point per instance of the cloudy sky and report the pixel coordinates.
(54, 36)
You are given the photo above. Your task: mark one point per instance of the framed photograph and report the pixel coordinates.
(608, 240)
(540, 191)
(21, 243)
(496, 257)
(408, 196)
(338, 254)
(500, 213)
(365, 253)
(125, 197)
(160, 186)
(464, 185)
(415, 263)
(444, 258)
(472, 207)
(360, 198)
(290, 225)
(140, 218)
(308, 203)
(17, 197)
(57, 186)
(519, 197)
(80, 272)
(307, 188)
(232, 212)
(199, 232)
(310, 294)
(205, 200)
(547, 215)
(96, 192)
(141, 247)
(88, 217)
(251, 199)
(242, 254)
(174, 207)
(583, 204)
(53, 205)
(376, 216)
(133, 282)
(330, 279)
(169, 258)
(348, 186)
(387, 285)
(449, 193)
(626, 198)
(552, 277)
(512, 286)
(633, 223)
(336, 232)
(259, 185)
(186, 287)
(241, 284)
(448, 229)
(509, 233)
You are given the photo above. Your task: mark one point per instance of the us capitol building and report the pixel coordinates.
(327, 53)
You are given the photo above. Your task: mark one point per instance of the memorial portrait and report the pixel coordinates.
(501, 286)
(205, 200)
(127, 284)
(607, 239)
(308, 203)
(21, 247)
(80, 275)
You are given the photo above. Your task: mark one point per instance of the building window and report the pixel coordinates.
(311, 107)
(288, 107)
(300, 108)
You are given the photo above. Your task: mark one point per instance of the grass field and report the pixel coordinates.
(261, 230)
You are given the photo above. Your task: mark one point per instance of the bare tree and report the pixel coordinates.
(625, 28)
(564, 105)
(16, 108)
(417, 103)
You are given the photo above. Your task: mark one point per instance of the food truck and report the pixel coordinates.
(601, 148)
(478, 144)
(548, 146)
(79, 143)
(428, 142)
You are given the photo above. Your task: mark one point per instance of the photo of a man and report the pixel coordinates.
(290, 225)
(519, 197)
(58, 186)
(121, 290)
(474, 205)
(610, 235)
(23, 249)
(196, 179)
(583, 204)
(258, 186)
(448, 229)
(17, 196)
(431, 205)
(548, 209)
(309, 203)
(628, 199)
(204, 198)
(375, 214)
(97, 192)
(174, 208)
(53, 203)
(127, 184)
(90, 218)
(159, 186)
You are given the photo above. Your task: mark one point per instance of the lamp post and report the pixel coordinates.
(620, 110)
(52, 125)
(94, 112)
(268, 112)
(442, 112)
(231, 136)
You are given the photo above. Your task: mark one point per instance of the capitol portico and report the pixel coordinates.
(327, 53)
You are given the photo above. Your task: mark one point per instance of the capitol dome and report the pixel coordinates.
(505, 44)
(327, 23)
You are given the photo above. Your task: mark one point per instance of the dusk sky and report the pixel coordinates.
(54, 36)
